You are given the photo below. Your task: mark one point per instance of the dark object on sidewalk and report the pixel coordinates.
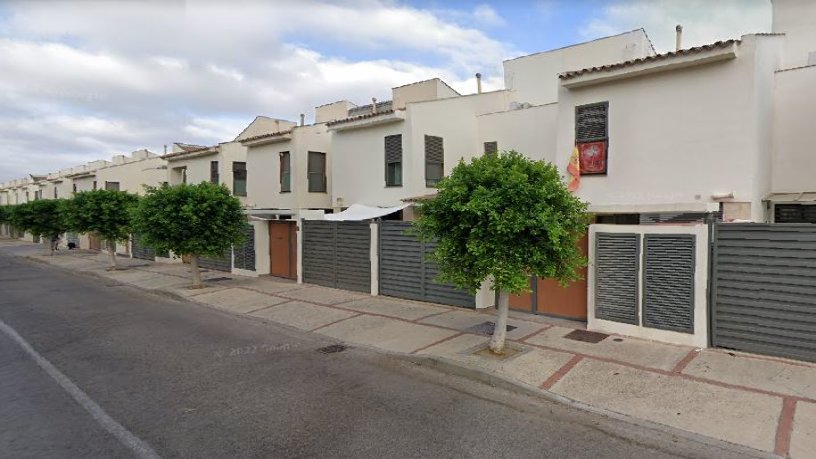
(332, 349)
(586, 336)
(486, 328)
(71, 246)
(217, 279)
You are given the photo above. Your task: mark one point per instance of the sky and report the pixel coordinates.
(87, 80)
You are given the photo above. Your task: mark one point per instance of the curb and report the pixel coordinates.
(459, 369)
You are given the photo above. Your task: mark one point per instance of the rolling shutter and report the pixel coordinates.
(591, 122)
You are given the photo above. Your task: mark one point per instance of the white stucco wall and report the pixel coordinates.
(134, 174)
(534, 78)
(794, 162)
(263, 164)
(796, 19)
(530, 131)
(677, 137)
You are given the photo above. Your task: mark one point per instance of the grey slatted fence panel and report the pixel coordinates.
(319, 240)
(668, 278)
(142, 251)
(244, 255)
(353, 259)
(222, 263)
(617, 262)
(764, 289)
(406, 273)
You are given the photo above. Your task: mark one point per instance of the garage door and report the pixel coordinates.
(764, 289)
(222, 263)
(406, 273)
(337, 254)
(140, 250)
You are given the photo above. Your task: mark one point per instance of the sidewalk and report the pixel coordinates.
(763, 403)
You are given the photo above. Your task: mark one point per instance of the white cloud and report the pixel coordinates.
(703, 21)
(85, 80)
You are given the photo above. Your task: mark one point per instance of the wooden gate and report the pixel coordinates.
(94, 242)
(283, 249)
(549, 298)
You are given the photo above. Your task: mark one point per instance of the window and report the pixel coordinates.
(592, 137)
(239, 179)
(74, 187)
(317, 172)
(434, 160)
(214, 177)
(285, 172)
(94, 185)
(56, 193)
(491, 148)
(794, 213)
(112, 186)
(393, 160)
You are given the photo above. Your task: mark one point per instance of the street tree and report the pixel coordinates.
(194, 220)
(502, 218)
(103, 212)
(43, 218)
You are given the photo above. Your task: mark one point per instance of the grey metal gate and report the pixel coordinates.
(244, 255)
(405, 271)
(337, 254)
(140, 250)
(222, 263)
(763, 293)
(617, 266)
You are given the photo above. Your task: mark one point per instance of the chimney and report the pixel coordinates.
(678, 45)
(373, 105)
(302, 119)
(479, 83)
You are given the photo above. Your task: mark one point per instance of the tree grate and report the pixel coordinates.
(332, 349)
(486, 328)
(586, 336)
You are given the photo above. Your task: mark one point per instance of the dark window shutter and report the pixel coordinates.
(794, 213)
(214, 177)
(285, 171)
(317, 172)
(434, 159)
(491, 148)
(591, 122)
(393, 160)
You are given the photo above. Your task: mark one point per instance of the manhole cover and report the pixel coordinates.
(586, 336)
(486, 328)
(332, 349)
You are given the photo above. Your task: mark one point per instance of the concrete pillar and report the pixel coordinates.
(375, 259)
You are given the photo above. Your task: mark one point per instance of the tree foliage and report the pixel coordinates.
(201, 219)
(106, 213)
(43, 218)
(506, 217)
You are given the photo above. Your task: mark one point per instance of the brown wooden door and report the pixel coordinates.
(94, 243)
(524, 302)
(283, 249)
(569, 301)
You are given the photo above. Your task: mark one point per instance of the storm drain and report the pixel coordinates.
(486, 328)
(332, 349)
(586, 336)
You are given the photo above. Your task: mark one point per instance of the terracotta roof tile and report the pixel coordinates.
(267, 135)
(643, 60)
(360, 117)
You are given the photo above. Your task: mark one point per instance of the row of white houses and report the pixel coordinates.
(718, 131)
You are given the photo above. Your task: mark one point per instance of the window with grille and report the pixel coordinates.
(317, 172)
(393, 160)
(491, 148)
(239, 179)
(112, 186)
(434, 160)
(285, 172)
(214, 177)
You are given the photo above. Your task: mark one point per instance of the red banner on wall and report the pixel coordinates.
(593, 157)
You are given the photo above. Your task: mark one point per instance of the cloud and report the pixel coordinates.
(87, 80)
(703, 21)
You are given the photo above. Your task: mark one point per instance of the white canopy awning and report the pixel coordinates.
(357, 212)
(792, 197)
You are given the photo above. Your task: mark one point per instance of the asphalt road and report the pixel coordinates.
(182, 380)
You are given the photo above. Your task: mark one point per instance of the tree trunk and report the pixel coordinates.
(112, 252)
(500, 331)
(196, 272)
(47, 241)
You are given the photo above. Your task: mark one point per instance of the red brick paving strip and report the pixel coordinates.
(336, 321)
(550, 382)
(438, 342)
(683, 363)
(785, 427)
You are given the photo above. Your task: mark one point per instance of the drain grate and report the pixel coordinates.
(586, 336)
(217, 279)
(486, 328)
(332, 349)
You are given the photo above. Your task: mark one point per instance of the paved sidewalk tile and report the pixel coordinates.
(271, 285)
(324, 295)
(803, 439)
(774, 376)
(403, 309)
(305, 316)
(464, 319)
(639, 352)
(737, 416)
(389, 334)
(532, 367)
(132, 276)
(238, 300)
